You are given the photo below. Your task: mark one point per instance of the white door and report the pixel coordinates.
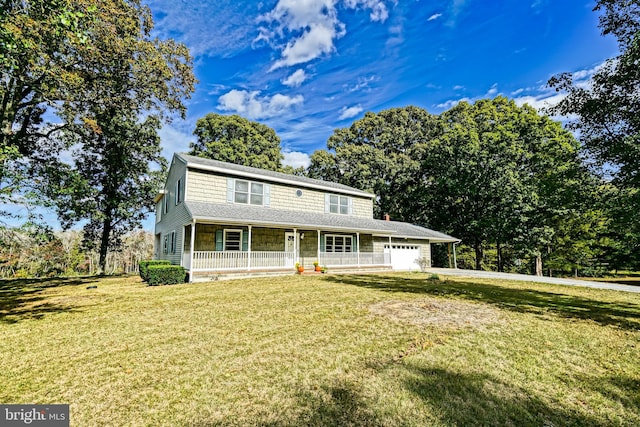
(404, 257)
(290, 249)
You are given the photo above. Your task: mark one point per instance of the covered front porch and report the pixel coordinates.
(228, 248)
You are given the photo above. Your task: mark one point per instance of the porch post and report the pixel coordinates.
(249, 250)
(390, 260)
(358, 248)
(295, 245)
(455, 262)
(318, 253)
(191, 247)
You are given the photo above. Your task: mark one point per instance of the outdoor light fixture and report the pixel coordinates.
(301, 236)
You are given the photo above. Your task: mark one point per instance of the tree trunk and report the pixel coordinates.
(538, 267)
(499, 251)
(479, 254)
(104, 245)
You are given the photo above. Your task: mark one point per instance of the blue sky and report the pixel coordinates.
(308, 67)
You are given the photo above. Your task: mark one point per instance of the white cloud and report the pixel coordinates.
(306, 30)
(295, 79)
(206, 30)
(396, 35)
(253, 106)
(296, 159)
(434, 17)
(173, 140)
(492, 91)
(350, 112)
(452, 103)
(363, 83)
(458, 87)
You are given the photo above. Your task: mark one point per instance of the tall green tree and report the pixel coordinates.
(237, 140)
(381, 153)
(132, 81)
(606, 113)
(38, 39)
(502, 175)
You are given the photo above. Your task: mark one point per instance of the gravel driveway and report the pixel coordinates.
(529, 278)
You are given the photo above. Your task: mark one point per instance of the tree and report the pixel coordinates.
(381, 153)
(237, 140)
(501, 174)
(131, 81)
(607, 116)
(37, 43)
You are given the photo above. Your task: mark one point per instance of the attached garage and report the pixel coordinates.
(404, 257)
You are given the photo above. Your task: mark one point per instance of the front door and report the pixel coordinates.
(290, 249)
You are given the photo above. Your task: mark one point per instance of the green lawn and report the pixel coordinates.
(392, 349)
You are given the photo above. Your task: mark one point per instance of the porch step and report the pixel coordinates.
(228, 275)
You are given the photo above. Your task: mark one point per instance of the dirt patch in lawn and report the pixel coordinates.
(453, 314)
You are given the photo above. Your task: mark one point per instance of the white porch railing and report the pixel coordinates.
(237, 260)
(354, 259)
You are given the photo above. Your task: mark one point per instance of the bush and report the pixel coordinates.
(144, 266)
(166, 274)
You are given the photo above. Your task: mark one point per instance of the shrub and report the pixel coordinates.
(144, 266)
(166, 274)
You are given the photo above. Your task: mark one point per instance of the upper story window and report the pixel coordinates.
(247, 192)
(165, 203)
(336, 204)
(179, 191)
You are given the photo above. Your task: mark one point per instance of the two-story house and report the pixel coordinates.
(217, 218)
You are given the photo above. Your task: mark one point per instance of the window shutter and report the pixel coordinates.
(245, 241)
(267, 195)
(326, 203)
(229, 190)
(322, 248)
(354, 243)
(219, 242)
(350, 205)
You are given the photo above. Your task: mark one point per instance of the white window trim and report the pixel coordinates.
(224, 239)
(165, 204)
(333, 246)
(172, 242)
(265, 194)
(179, 196)
(328, 204)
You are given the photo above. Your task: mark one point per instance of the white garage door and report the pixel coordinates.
(403, 257)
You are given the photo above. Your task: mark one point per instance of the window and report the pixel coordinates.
(335, 243)
(247, 192)
(179, 191)
(172, 241)
(159, 211)
(165, 244)
(165, 203)
(232, 240)
(338, 204)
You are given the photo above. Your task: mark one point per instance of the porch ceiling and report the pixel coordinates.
(268, 217)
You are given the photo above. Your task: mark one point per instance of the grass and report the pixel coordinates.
(308, 350)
